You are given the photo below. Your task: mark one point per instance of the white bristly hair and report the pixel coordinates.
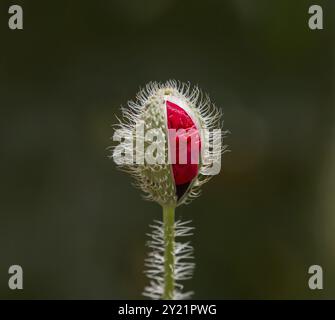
(183, 268)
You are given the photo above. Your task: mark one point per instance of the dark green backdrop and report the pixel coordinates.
(77, 226)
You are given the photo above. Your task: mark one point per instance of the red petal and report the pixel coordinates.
(179, 119)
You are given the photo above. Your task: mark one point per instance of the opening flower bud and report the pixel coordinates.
(176, 146)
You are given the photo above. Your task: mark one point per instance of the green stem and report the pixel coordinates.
(169, 243)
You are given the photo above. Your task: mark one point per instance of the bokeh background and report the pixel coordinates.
(77, 226)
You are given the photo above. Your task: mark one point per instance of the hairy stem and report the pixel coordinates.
(169, 258)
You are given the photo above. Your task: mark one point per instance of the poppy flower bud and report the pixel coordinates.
(171, 155)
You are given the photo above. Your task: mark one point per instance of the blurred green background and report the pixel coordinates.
(77, 226)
